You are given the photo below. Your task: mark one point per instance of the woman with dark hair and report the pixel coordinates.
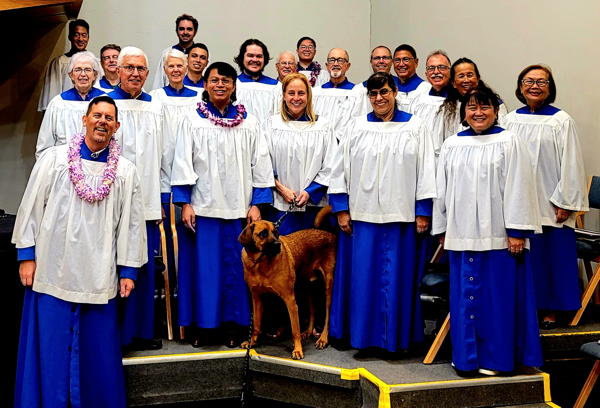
(485, 207)
(464, 77)
(255, 90)
(302, 148)
(551, 137)
(221, 172)
(381, 188)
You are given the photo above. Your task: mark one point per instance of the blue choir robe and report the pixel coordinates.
(551, 138)
(220, 172)
(69, 349)
(63, 118)
(384, 176)
(486, 192)
(104, 85)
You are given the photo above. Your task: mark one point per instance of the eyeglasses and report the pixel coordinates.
(540, 82)
(80, 70)
(381, 58)
(131, 68)
(286, 63)
(307, 47)
(383, 92)
(224, 81)
(406, 60)
(441, 68)
(339, 60)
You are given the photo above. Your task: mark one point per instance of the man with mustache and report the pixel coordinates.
(334, 98)
(427, 105)
(186, 28)
(197, 59)
(109, 55)
(410, 84)
(140, 136)
(80, 241)
(255, 90)
(57, 78)
(306, 48)
(286, 64)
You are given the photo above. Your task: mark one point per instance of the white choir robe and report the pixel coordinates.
(301, 153)
(63, 119)
(321, 79)
(410, 90)
(56, 80)
(258, 97)
(175, 105)
(551, 137)
(427, 107)
(454, 126)
(362, 106)
(336, 104)
(140, 137)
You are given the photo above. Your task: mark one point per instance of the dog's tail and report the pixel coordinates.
(322, 216)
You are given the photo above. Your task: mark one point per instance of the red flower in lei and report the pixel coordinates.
(222, 122)
(77, 176)
(314, 73)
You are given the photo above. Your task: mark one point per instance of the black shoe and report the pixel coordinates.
(465, 373)
(548, 325)
(139, 344)
(196, 342)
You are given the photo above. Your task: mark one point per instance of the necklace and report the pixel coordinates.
(77, 177)
(315, 73)
(222, 122)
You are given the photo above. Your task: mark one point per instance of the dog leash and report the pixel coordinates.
(246, 395)
(277, 223)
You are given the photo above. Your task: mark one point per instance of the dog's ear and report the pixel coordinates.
(246, 239)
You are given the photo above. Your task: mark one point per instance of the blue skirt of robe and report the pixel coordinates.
(69, 355)
(293, 221)
(211, 283)
(137, 315)
(493, 320)
(375, 289)
(555, 269)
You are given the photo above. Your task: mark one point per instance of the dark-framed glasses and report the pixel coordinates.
(307, 47)
(441, 68)
(539, 82)
(224, 81)
(382, 58)
(339, 60)
(383, 92)
(131, 68)
(406, 60)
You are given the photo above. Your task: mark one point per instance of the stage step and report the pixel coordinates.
(325, 378)
(566, 341)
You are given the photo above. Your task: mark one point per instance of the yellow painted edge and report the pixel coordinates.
(350, 374)
(202, 353)
(462, 380)
(569, 334)
(384, 389)
(297, 361)
(547, 395)
(552, 404)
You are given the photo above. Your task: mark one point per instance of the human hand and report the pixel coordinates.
(302, 199)
(561, 214)
(344, 221)
(516, 245)
(188, 216)
(253, 214)
(126, 286)
(422, 223)
(27, 272)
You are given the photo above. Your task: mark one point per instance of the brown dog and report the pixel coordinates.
(272, 263)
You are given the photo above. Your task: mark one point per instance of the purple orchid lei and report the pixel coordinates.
(222, 122)
(316, 70)
(83, 190)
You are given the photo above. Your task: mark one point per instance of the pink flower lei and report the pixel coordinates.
(315, 73)
(77, 177)
(222, 122)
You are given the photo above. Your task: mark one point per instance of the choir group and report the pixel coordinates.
(403, 161)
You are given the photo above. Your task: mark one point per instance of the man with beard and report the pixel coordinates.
(140, 136)
(334, 98)
(109, 55)
(306, 48)
(186, 28)
(80, 239)
(427, 105)
(197, 58)
(381, 61)
(57, 78)
(410, 84)
(256, 91)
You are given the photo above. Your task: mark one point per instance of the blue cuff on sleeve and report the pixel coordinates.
(515, 233)
(165, 198)
(182, 194)
(424, 207)
(128, 272)
(26, 254)
(262, 195)
(316, 192)
(339, 202)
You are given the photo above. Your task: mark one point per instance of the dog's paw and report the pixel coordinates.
(305, 335)
(297, 354)
(245, 344)
(321, 343)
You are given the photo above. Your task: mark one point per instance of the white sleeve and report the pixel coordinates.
(131, 237)
(426, 164)
(46, 135)
(53, 84)
(33, 203)
(182, 173)
(262, 167)
(439, 217)
(340, 169)
(571, 191)
(324, 175)
(520, 202)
